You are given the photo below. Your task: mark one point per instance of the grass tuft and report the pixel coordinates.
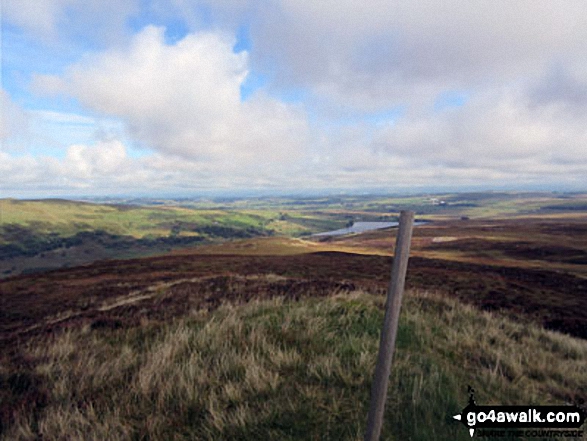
(282, 370)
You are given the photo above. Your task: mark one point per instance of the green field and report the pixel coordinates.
(290, 216)
(67, 218)
(46, 234)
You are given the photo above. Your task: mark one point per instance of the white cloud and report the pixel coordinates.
(104, 165)
(64, 118)
(103, 159)
(35, 16)
(521, 64)
(380, 53)
(504, 127)
(102, 20)
(14, 123)
(106, 168)
(498, 135)
(559, 88)
(184, 99)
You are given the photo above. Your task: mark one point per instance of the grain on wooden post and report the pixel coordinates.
(390, 323)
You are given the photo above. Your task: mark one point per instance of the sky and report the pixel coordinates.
(186, 97)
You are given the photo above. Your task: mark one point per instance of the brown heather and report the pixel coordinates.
(286, 370)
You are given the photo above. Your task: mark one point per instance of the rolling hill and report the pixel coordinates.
(274, 337)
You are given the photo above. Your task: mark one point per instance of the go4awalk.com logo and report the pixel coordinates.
(563, 421)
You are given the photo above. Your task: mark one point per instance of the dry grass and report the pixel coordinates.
(289, 370)
(281, 246)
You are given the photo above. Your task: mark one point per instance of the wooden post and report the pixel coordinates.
(390, 323)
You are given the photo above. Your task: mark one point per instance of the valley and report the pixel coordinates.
(496, 298)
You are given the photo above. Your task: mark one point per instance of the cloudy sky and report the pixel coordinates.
(124, 97)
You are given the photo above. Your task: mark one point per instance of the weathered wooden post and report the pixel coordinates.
(390, 323)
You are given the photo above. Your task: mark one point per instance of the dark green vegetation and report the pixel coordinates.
(24, 242)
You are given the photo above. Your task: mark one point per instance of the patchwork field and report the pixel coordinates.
(48, 234)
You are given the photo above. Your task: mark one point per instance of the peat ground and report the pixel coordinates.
(122, 291)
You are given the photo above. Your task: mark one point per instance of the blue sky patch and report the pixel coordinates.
(451, 98)
(243, 40)
(253, 82)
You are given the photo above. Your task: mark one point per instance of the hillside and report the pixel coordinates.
(40, 235)
(280, 369)
(229, 346)
(275, 337)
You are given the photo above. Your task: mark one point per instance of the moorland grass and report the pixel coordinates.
(278, 370)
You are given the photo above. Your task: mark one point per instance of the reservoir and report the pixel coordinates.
(361, 227)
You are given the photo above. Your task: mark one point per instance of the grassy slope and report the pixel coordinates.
(67, 217)
(286, 370)
(294, 370)
(290, 217)
(278, 246)
(34, 233)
